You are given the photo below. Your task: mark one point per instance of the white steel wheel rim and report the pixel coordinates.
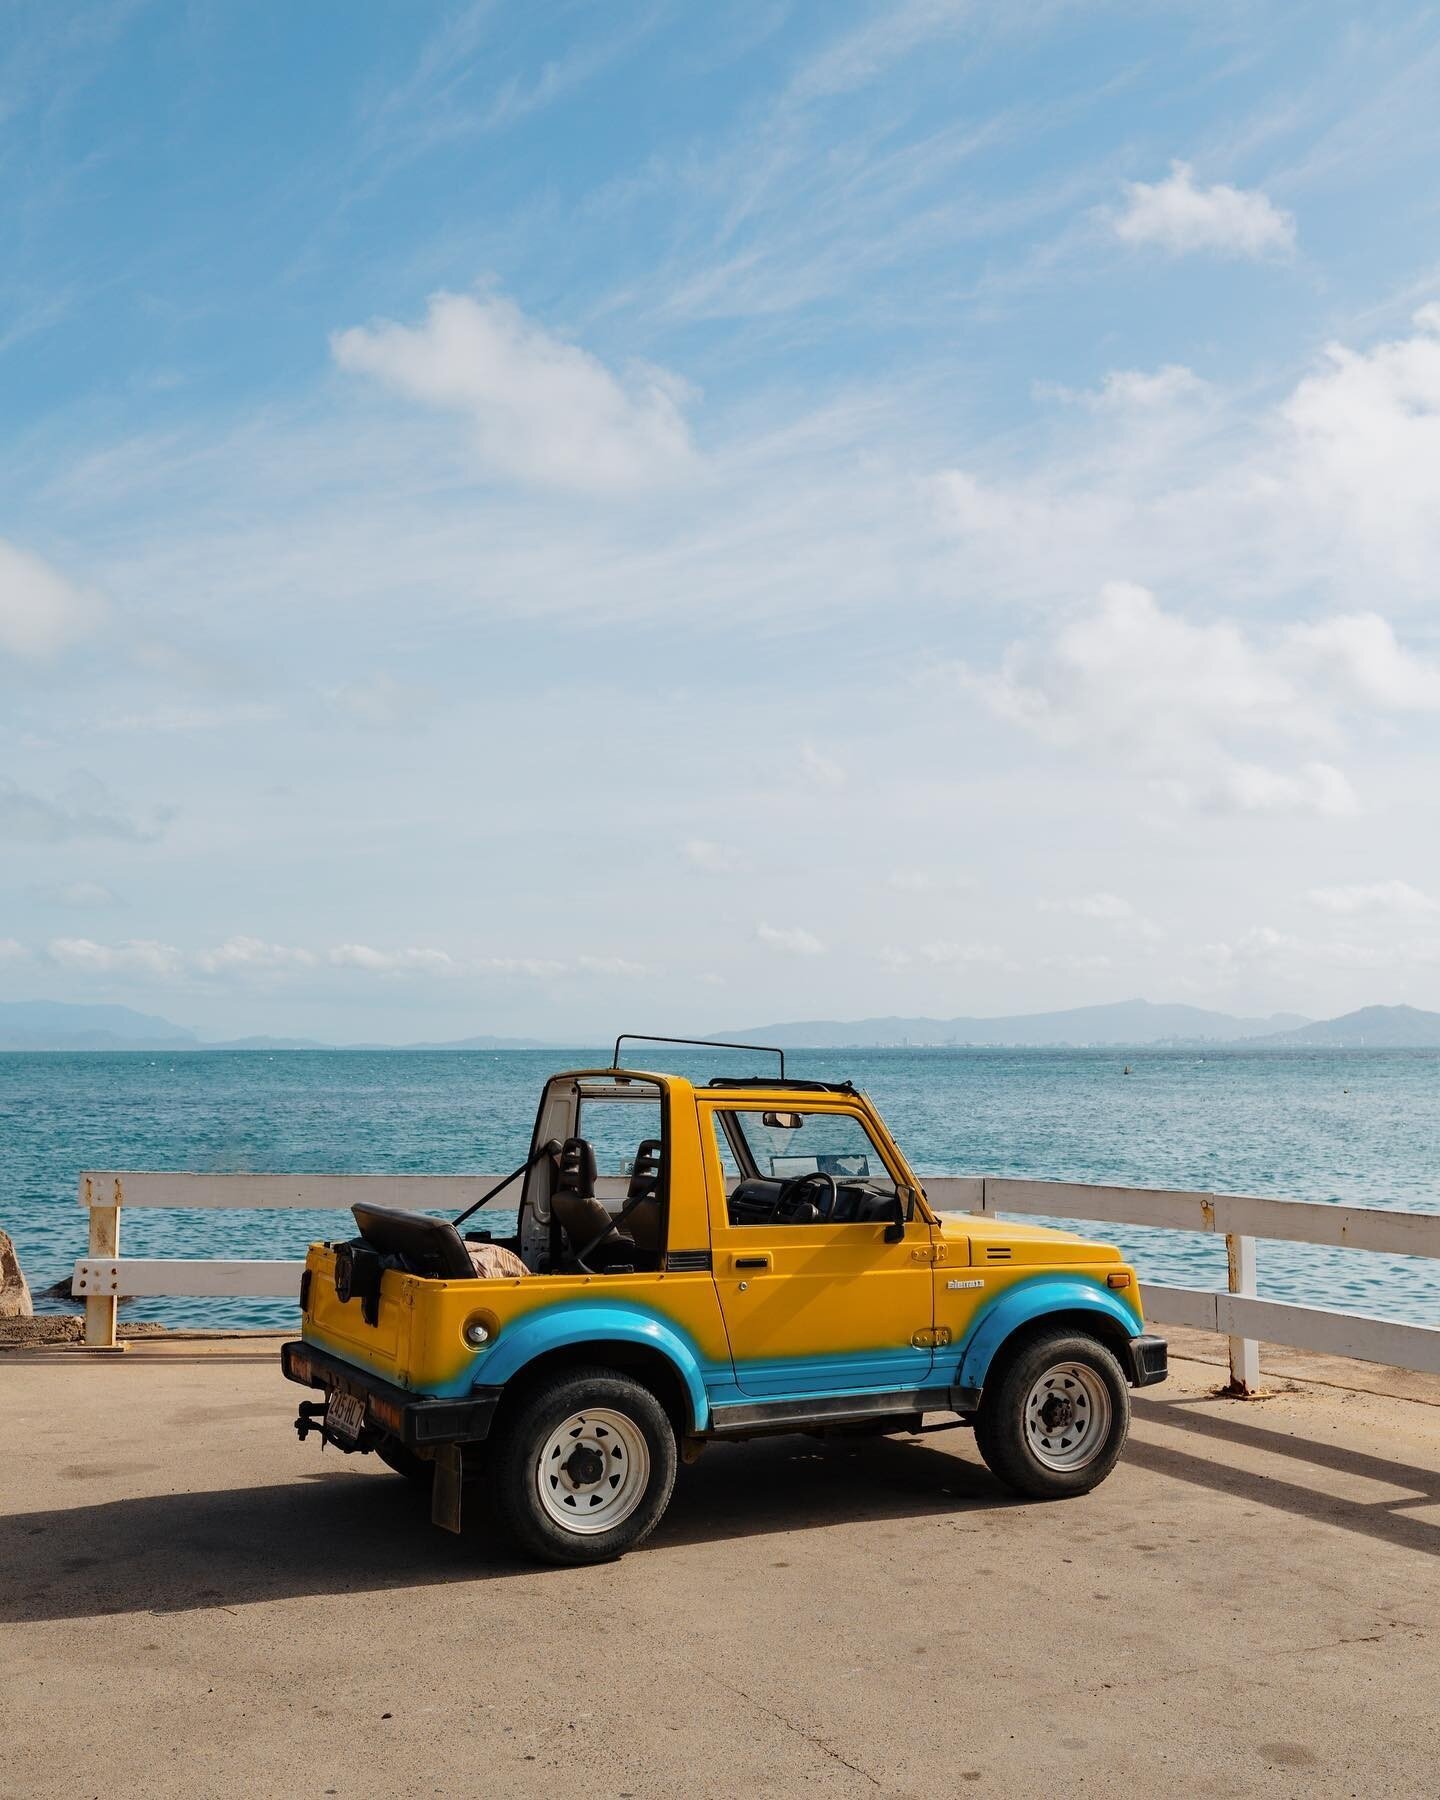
(1067, 1416)
(593, 1471)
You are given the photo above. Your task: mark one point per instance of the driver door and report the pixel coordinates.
(820, 1308)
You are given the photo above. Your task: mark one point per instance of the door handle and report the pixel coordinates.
(753, 1261)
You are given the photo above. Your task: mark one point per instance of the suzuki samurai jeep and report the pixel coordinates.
(705, 1262)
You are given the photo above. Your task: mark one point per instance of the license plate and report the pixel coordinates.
(344, 1415)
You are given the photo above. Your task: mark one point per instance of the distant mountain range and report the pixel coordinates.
(1122, 1022)
(56, 1025)
(1371, 1028)
(1125, 1023)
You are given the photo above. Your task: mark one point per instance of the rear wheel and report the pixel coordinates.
(1053, 1420)
(584, 1469)
(405, 1462)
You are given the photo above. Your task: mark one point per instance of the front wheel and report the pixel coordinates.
(1054, 1419)
(585, 1468)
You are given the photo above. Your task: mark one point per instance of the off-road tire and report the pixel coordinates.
(518, 1449)
(1001, 1431)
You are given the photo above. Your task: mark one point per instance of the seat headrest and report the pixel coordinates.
(575, 1168)
(645, 1174)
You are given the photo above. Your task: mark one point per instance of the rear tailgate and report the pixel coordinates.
(340, 1326)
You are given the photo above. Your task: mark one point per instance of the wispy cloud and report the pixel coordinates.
(84, 808)
(1109, 909)
(41, 612)
(381, 703)
(246, 959)
(1378, 899)
(712, 858)
(83, 895)
(794, 940)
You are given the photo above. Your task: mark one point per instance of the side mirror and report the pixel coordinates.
(895, 1230)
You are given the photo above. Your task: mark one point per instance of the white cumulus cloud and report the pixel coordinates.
(1396, 899)
(1360, 654)
(1129, 673)
(544, 412)
(793, 940)
(1180, 216)
(1189, 703)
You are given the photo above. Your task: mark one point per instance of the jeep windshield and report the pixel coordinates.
(778, 1146)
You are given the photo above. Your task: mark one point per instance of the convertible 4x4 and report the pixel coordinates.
(694, 1262)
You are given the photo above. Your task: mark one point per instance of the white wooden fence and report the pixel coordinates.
(103, 1275)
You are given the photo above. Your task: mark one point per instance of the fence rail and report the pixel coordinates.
(1238, 1312)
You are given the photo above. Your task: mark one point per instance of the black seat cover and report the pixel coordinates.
(423, 1246)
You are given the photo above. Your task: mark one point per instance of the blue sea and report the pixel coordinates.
(1357, 1126)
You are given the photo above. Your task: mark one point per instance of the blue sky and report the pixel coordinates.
(549, 519)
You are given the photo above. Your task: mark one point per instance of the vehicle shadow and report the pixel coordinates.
(346, 1530)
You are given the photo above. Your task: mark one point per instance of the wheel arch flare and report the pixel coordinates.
(1048, 1299)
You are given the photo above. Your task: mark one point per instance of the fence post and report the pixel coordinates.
(1244, 1352)
(100, 1309)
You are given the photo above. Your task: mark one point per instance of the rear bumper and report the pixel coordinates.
(1147, 1360)
(414, 1421)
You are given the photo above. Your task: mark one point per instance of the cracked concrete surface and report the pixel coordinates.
(194, 1604)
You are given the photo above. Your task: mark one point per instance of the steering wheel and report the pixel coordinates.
(785, 1200)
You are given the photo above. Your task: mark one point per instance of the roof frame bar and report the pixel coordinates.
(641, 1037)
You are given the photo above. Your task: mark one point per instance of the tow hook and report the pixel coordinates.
(311, 1417)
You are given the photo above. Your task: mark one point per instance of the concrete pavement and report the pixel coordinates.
(193, 1604)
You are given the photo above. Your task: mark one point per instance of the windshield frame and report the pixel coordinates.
(727, 1116)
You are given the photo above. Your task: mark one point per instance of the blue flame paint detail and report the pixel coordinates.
(576, 1324)
(568, 1324)
(1023, 1304)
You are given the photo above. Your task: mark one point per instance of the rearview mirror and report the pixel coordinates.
(786, 1121)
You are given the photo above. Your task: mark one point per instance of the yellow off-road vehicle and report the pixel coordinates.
(696, 1262)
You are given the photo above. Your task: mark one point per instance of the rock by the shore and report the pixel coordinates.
(48, 1329)
(15, 1302)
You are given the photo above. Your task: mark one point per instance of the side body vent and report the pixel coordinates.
(998, 1253)
(688, 1262)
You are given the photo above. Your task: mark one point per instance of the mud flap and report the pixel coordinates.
(445, 1490)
